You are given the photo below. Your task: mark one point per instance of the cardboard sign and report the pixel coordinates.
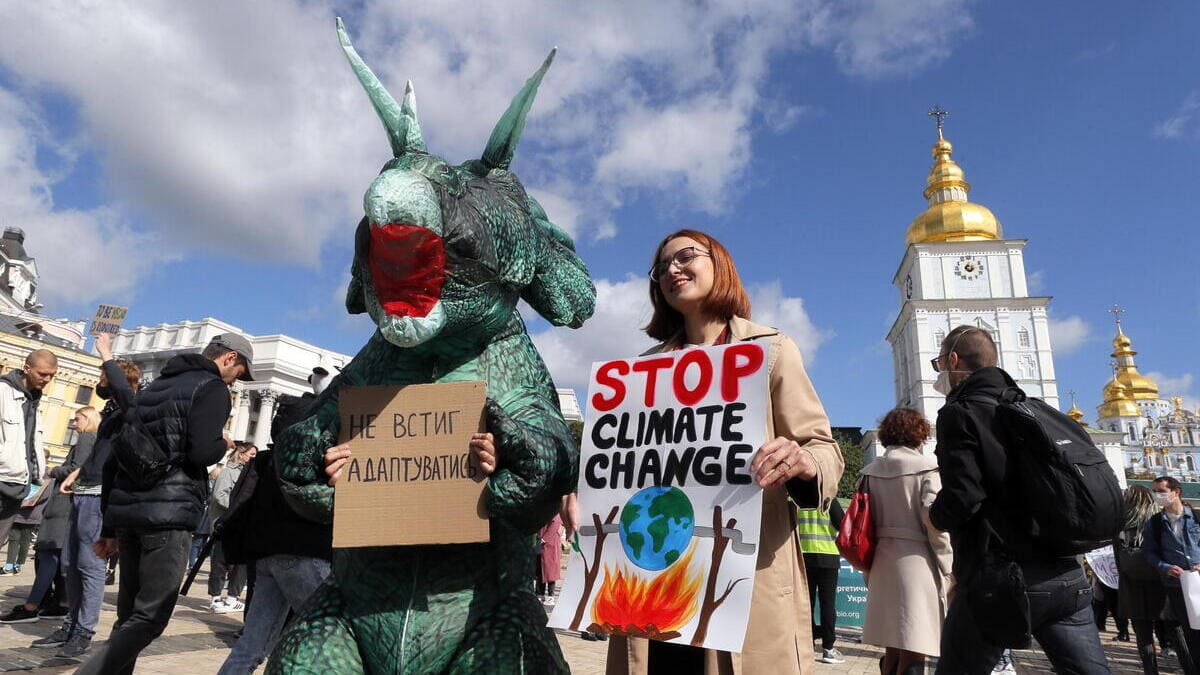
(412, 478)
(108, 319)
(669, 510)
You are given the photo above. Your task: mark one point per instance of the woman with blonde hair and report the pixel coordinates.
(909, 579)
(52, 533)
(699, 300)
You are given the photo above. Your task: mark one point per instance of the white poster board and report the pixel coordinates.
(1104, 563)
(1190, 581)
(670, 513)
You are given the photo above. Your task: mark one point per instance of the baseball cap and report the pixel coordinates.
(239, 344)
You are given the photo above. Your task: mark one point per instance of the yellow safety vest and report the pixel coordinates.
(816, 532)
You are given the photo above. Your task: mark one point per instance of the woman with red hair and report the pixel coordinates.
(910, 575)
(699, 300)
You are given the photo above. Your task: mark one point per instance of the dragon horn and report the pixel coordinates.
(400, 121)
(503, 143)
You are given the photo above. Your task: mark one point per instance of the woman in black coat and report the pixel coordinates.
(1141, 595)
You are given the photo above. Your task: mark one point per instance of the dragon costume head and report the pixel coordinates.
(437, 238)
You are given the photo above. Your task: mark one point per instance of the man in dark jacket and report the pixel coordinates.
(184, 411)
(976, 505)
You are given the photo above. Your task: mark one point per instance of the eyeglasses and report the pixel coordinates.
(682, 258)
(934, 362)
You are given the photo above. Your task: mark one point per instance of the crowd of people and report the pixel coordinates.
(182, 491)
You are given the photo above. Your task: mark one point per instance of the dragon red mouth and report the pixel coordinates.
(408, 267)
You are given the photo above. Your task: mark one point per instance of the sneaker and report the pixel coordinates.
(1005, 665)
(230, 605)
(16, 569)
(19, 614)
(216, 605)
(549, 601)
(55, 612)
(832, 655)
(77, 646)
(110, 578)
(7, 569)
(55, 639)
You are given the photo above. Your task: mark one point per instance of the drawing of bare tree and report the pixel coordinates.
(593, 570)
(711, 603)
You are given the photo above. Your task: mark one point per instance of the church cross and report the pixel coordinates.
(938, 112)
(1116, 311)
(1072, 393)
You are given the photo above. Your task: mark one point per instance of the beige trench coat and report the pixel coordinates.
(779, 633)
(909, 578)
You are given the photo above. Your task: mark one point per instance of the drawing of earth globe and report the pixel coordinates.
(656, 527)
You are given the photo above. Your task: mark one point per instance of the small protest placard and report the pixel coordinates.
(108, 319)
(412, 478)
(669, 511)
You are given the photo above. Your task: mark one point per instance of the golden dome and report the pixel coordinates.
(950, 217)
(1138, 386)
(1075, 413)
(1118, 401)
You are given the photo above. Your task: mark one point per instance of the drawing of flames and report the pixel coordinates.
(652, 608)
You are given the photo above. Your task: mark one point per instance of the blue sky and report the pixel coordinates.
(210, 160)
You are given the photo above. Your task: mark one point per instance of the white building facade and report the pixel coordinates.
(282, 365)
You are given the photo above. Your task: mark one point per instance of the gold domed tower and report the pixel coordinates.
(1140, 387)
(950, 216)
(959, 270)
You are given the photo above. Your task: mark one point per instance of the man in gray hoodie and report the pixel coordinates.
(21, 459)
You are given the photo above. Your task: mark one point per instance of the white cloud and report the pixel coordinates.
(239, 129)
(1185, 123)
(889, 37)
(623, 308)
(82, 255)
(1069, 334)
(1037, 282)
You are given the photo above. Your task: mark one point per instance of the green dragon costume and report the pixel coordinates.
(441, 259)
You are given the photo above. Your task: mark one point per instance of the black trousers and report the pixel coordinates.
(822, 587)
(152, 567)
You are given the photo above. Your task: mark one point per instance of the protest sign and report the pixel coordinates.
(108, 319)
(411, 478)
(851, 597)
(665, 466)
(1104, 563)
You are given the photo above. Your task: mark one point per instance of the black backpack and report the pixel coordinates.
(141, 460)
(1067, 496)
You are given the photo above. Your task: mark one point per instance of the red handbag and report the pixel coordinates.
(856, 537)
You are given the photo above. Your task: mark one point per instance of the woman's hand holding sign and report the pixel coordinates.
(483, 446)
(336, 458)
(781, 460)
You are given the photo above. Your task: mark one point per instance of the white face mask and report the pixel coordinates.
(1164, 499)
(942, 384)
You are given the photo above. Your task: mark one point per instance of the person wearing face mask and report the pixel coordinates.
(1171, 543)
(83, 569)
(985, 525)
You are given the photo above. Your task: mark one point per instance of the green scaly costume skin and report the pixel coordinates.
(461, 608)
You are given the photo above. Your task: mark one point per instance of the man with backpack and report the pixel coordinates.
(1013, 580)
(1171, 543)
(155, 487)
